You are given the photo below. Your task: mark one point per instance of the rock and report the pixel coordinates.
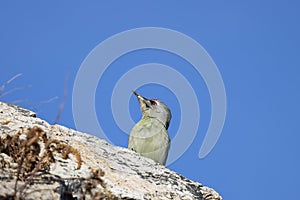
(43, 161)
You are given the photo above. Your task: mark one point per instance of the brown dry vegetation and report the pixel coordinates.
(33, 152)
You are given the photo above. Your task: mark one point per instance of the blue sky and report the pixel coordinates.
(254, 44)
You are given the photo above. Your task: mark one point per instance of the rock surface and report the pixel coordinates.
(43, 161)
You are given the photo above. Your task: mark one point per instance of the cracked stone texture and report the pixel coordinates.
(127, 175)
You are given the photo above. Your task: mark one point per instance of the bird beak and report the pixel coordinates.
(144, 102)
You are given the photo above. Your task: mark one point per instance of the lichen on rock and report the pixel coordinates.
(39, 160)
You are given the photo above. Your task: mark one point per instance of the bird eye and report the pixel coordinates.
(153, 102)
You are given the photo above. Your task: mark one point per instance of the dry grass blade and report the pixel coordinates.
(62, 104)
(2, 88)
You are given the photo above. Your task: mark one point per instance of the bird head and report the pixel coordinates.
(154, 108)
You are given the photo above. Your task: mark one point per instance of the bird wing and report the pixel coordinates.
(150, 139)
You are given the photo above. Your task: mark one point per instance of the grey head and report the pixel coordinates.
(154, 108)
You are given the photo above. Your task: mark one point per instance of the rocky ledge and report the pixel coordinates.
(43, 161)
